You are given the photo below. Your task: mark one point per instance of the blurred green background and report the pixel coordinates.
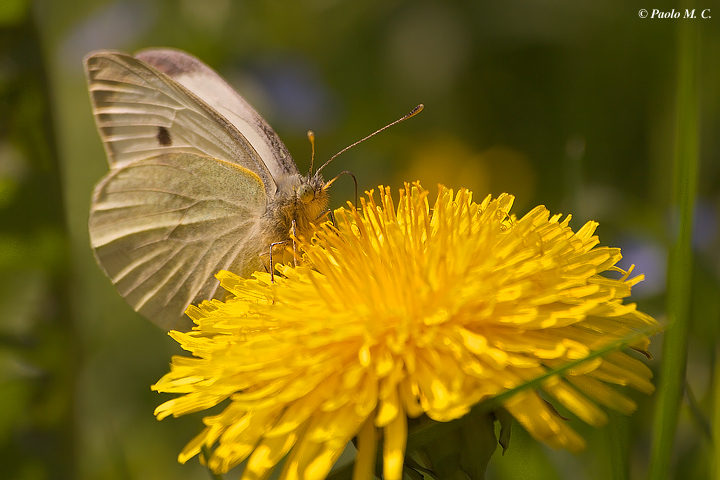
(567, 103)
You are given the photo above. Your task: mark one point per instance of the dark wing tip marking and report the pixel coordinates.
(169, 61)
(163, 137)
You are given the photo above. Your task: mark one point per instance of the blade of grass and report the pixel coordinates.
(618, 446)
(672, 373)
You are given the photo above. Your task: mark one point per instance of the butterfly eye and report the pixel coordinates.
(306, 193)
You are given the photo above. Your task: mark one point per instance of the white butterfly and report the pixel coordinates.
(198, 182)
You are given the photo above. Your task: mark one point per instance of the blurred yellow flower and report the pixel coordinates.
(400, 312)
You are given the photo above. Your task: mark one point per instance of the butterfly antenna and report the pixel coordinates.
(412, 113)
(311, 137)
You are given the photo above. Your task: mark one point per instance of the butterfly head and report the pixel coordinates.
(305, 193)
(305, 202)
(312, 193)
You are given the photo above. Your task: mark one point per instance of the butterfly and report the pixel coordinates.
(198, 182)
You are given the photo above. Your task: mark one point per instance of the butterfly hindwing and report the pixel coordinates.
(162, 227)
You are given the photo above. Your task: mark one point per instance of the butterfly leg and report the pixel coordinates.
(282, 242)
(330, 214)
(293, 232)
(272, 267)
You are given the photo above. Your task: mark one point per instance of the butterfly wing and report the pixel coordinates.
(162, 227)
(204, 82)
(140, 113)
(186, 193)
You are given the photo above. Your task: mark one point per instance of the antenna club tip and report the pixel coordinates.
(311, 135)
(416, 110)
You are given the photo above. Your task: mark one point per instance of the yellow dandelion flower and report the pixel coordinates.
(402, 312)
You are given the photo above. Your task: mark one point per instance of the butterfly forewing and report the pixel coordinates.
(162, 227)
(141, 112)
(197, 77)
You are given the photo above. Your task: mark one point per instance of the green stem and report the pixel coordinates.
(618, 446)
(672, 374)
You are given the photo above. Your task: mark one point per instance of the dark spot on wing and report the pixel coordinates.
(163, 137)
